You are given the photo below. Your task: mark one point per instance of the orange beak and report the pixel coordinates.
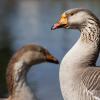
(52, 59)
(62, 23)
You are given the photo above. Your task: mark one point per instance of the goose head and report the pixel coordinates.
(33, 54)
(22, 61)
(74, 19)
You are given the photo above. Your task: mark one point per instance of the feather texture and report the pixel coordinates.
(79, 76)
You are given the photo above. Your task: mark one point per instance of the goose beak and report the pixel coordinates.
(50, 58)
(62, 23)
(57, 26)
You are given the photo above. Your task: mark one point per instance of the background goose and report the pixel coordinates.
(18, 67)
(79, 75)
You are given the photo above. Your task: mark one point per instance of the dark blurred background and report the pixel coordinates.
(29, 21)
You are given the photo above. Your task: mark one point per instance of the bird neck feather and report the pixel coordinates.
(90, 31)
(16, 77)
(86, 50)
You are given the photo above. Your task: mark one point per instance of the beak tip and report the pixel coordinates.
(52, 28)
(56, 62)
(52, 59)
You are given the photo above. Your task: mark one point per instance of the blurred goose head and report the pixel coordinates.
(18, 67)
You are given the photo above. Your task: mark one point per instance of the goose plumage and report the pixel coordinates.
(79, 76)
(18, 67)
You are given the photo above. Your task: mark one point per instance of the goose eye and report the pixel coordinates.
(41, 50)
(72, 14)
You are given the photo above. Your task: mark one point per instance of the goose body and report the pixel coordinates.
(79, 76)
(79, 80)
(18, 67)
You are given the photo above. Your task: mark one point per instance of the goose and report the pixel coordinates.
(79, 76)
(18, 67)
